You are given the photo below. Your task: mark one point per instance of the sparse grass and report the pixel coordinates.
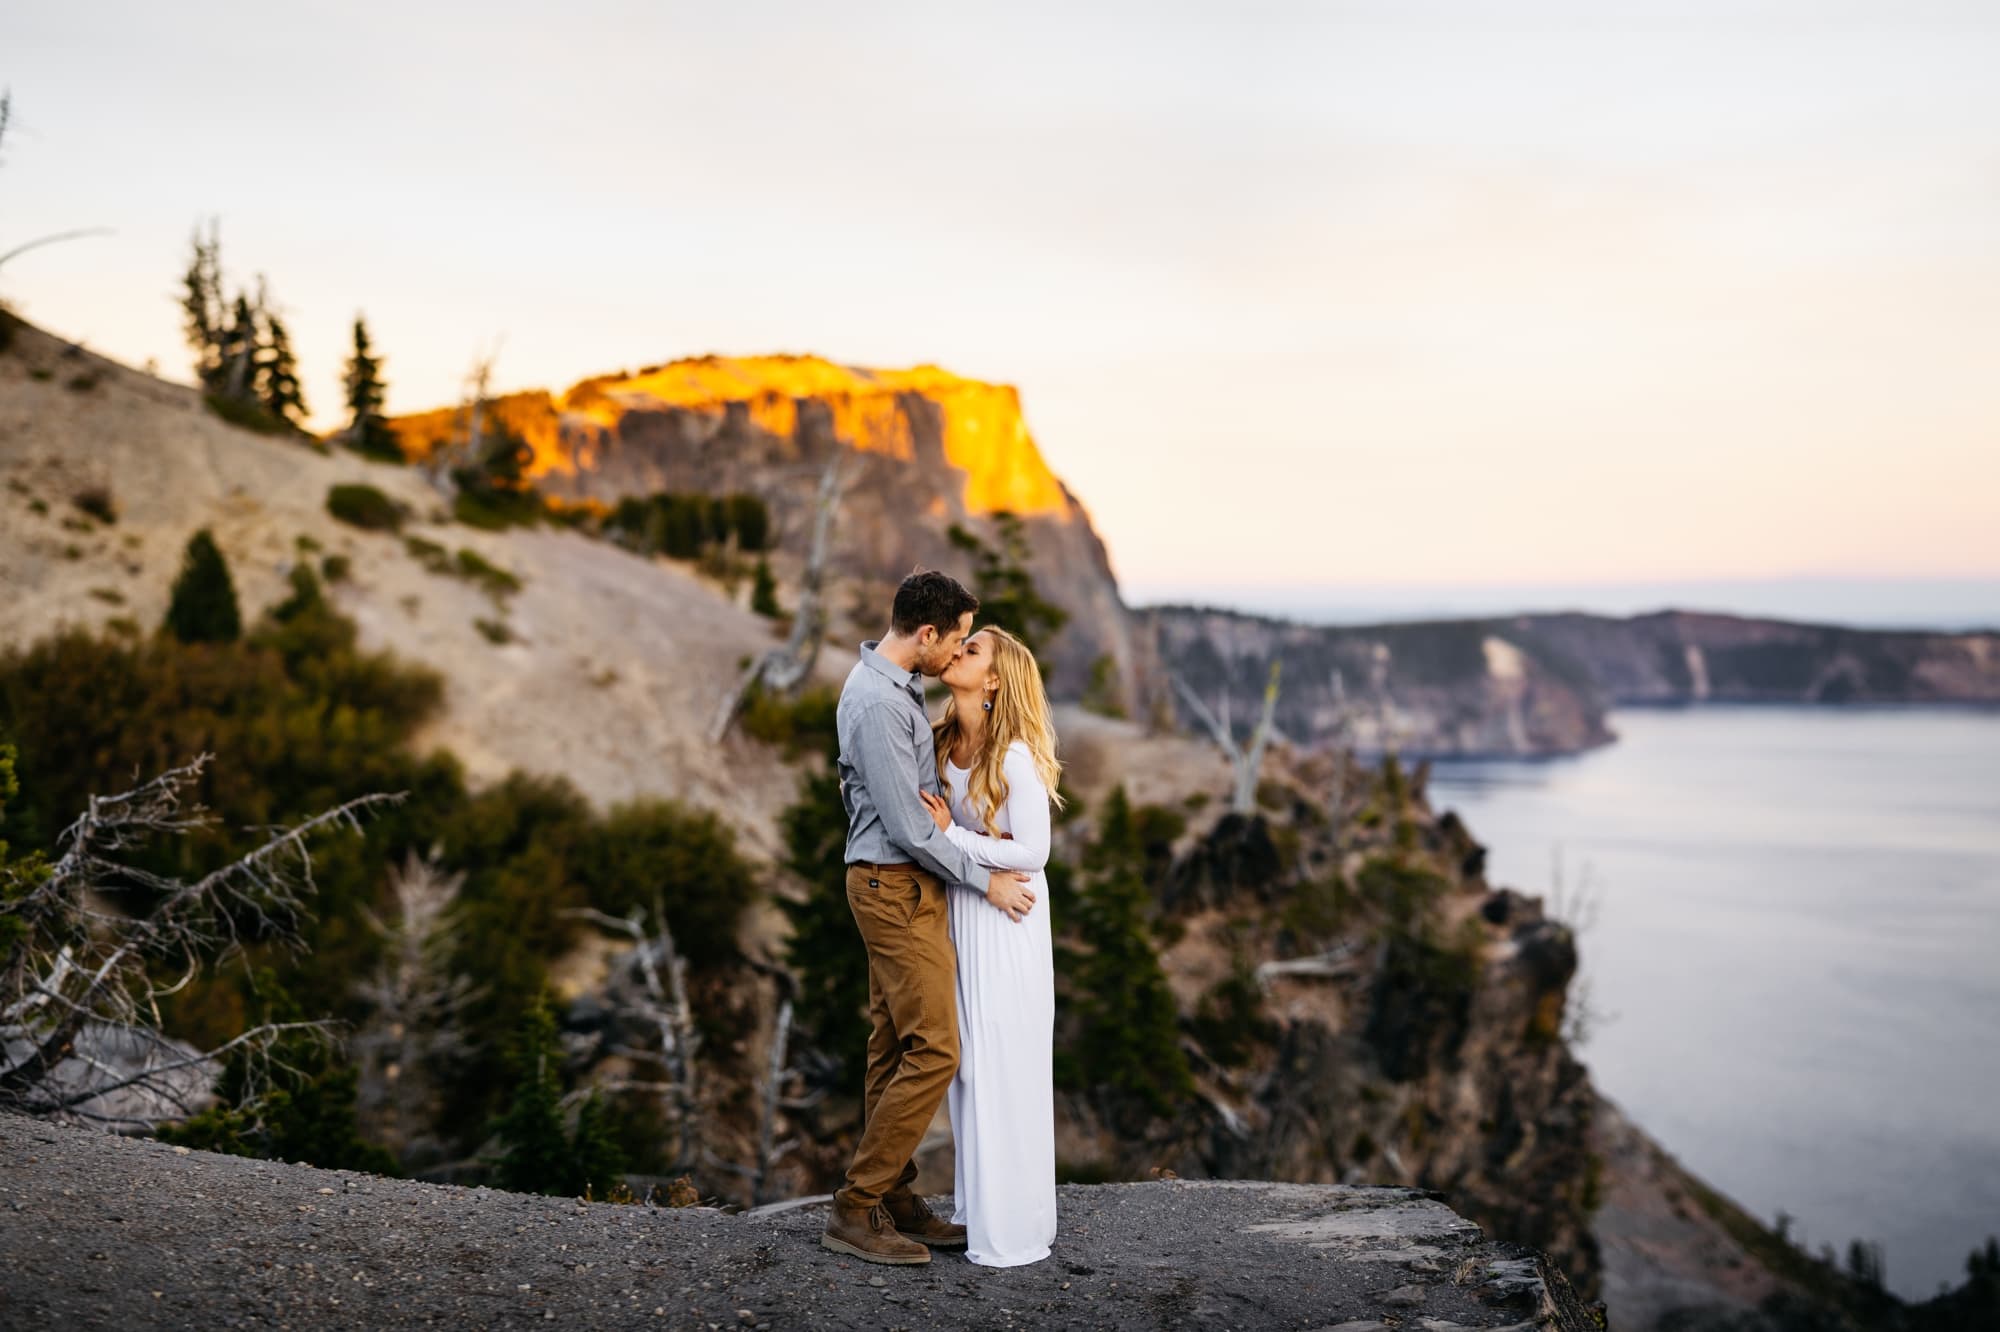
(82, 382)
(335, 568)
(496, 581)
(306, 541)
(109, 595)
(38, 505)
(72, 552)
(470, 565)
(496, 631)
(41, 374)
(435, 558)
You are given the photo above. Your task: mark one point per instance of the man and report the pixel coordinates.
(898, 867)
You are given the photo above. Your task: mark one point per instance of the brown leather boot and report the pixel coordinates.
(867, 1233)
(915, 1220)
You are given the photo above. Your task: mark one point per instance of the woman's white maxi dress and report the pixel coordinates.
(1003, 1099)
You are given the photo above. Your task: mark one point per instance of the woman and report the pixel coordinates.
(997, 758)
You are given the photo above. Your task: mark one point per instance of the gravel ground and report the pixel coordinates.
(101, 1231)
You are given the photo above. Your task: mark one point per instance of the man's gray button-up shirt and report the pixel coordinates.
(886, 757)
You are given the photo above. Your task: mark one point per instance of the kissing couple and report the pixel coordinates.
(947, 834)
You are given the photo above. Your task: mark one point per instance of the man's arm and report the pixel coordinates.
(888, 768)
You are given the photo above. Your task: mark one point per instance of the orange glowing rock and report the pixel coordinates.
(984, 433)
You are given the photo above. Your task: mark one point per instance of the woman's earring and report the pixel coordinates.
(987, 705)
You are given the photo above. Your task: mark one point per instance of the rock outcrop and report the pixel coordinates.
(927, 450)
(105, 1232)
(1691, 657)
(1541, 684)
(1447, 688)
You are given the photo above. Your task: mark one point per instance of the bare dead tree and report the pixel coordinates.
(468, 438)
(767, 1128)
(783, 670)
(79, 1012)
(1246, 762)
(663, 1006)
(416, 1031)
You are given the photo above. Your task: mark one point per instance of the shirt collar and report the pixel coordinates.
(907, 679)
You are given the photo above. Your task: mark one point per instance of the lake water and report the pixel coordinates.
(1796, 949)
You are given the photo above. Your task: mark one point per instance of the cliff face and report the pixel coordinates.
(1453, 687)
(927, 449)
(1540, 684)
(1691, 657)
(1359, 1005)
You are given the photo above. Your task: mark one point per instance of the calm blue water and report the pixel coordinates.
(1797, 951)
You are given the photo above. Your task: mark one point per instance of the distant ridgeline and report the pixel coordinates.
(928, 451)
(1540, 684)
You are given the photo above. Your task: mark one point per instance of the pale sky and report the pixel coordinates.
(1296, 295)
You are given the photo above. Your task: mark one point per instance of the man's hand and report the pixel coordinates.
(1008, 890)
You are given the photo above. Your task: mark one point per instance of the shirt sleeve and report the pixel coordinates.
(1027, 816)
(886, 760)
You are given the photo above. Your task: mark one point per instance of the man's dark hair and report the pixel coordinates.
(931, 598)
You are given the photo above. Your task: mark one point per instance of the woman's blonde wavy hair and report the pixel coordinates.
(1020, 712)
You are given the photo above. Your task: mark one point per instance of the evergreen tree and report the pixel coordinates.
(1128, 1042)
(203, 606)
(278, 385)
(764, 591)
(367, 432)
(826, 948)
(597, 1163)
(1005, 588)
(535, 1153)
(202, 308)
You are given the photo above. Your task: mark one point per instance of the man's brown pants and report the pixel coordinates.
(913, 1005)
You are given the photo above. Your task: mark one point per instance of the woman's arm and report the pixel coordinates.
(1027, 815)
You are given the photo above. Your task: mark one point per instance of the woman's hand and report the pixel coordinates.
(939, 810)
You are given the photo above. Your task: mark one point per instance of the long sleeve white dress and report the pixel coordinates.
(1002, 1102)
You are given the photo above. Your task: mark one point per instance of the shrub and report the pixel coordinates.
(364, 506)
(764, 592)
(97, 502)
(249, 414)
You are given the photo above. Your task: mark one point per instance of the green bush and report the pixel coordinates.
(764, 592)
(798, 725)
(365, 507)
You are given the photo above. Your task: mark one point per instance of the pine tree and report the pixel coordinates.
(1006, 590)
(367, 432)
(826, 948)
(535, 1153)
(278, 385)
(764, 591)
(1128, 1044)
(202, 308)
(203, 605)
(597, 1162)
